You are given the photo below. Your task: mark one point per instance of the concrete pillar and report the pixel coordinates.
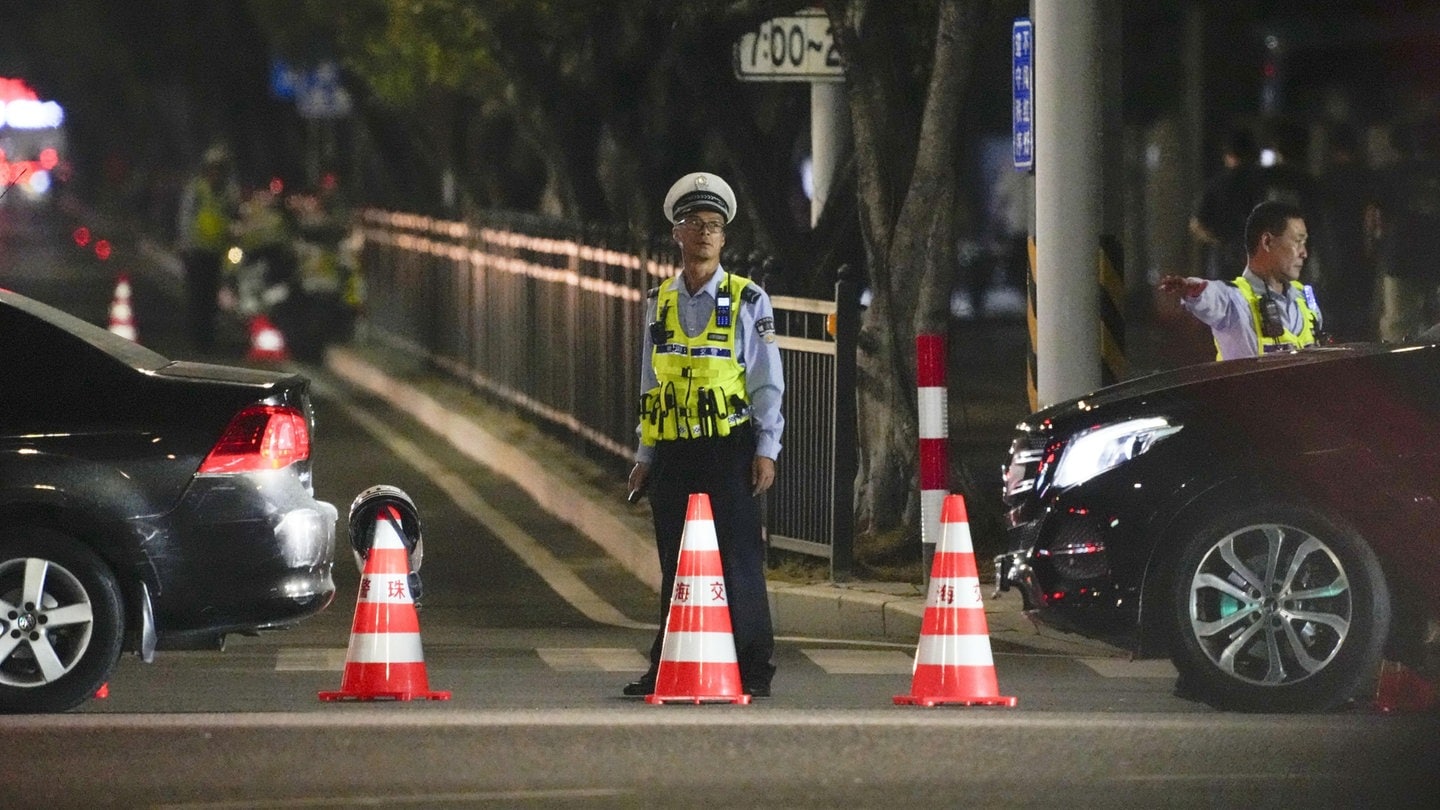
(1068, 196)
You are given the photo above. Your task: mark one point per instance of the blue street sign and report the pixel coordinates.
(1022, 92)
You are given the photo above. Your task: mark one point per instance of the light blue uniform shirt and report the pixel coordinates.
(1224, 309)
(764, 379)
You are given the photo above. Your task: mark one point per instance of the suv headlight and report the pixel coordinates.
(1108, 446)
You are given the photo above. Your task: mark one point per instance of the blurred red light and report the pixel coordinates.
(82, 236)
(48, 158)
(276, 185)
(102, 249)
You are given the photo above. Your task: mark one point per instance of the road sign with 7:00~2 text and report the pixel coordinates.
(798, 48)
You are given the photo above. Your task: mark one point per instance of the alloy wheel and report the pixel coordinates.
(1270, 604)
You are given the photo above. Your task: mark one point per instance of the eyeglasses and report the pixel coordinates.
(698, 225)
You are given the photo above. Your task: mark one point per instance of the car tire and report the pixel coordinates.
(1277, 608)
(55, 654)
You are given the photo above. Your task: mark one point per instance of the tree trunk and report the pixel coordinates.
(908, 199)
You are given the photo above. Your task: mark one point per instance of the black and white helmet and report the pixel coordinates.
(387, 502)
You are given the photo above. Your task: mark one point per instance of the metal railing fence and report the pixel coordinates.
(546, 316)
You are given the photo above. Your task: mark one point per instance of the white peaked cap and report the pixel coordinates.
(699, 191)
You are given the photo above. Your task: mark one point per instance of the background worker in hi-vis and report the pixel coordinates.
(710, 418)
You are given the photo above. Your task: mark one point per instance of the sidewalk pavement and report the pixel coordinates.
(592, 499)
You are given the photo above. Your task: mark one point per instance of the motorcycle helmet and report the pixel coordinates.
(384, 500)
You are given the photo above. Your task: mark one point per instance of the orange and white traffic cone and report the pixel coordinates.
(385, 659)
(267, 342)
(1402, 690)
(953, 663)
(697, 657)
(122, 316)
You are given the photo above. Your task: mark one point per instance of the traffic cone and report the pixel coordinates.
(267, 342)
(385, 659)
(953, 662)
(697, 657)
(1403, 690)
(122, 316)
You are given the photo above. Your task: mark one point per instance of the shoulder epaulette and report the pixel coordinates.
(750, 293)
(653, 292)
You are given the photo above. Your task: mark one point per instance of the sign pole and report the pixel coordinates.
(802, 49)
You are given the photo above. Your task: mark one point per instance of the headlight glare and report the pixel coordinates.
(1105, 447)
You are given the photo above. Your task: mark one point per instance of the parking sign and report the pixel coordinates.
(1022, 87)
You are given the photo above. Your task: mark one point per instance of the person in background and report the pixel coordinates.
(1349, 207)
(1409, 225)
(710, 421)
(1265, 308)
(208, 207)
(1218, 222)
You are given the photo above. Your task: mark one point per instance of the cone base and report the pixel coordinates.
(334, 696)
(697, 699)
(922, 700)
(1401, 690)
(403, 681)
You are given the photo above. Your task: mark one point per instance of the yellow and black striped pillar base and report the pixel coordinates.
(1114, 365)
(1031, 372)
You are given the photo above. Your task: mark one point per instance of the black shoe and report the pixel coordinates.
(757, 690)
(640, 688)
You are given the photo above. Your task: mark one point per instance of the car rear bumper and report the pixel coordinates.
(242, 553)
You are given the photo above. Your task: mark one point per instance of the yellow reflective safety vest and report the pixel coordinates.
(211, 225)
(701, 390)
(1289, 340)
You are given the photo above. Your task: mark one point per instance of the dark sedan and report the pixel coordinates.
(144, 504)
(1272, 524)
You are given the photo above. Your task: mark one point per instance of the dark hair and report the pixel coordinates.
(1269, 217)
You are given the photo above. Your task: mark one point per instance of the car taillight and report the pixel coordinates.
(261, 437)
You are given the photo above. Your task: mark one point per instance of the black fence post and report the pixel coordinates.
(846, 458)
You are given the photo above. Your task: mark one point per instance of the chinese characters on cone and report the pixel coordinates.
(697, 657)
(953, 663)
(385, 660)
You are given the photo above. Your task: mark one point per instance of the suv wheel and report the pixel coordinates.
(1278, 609)
(61, 621)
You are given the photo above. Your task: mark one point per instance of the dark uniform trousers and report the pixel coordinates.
(719, 467)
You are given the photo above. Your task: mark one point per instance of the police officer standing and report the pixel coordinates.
(208, 207)
(710, 419)
(1265, 308)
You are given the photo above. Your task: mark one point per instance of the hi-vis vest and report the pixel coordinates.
(701, 390)
(1288, 340)
(210, 227)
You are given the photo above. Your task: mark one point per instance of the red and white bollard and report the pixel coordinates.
(934, 437)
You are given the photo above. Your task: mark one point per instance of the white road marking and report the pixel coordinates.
(500, 798)
(309, 659)
(862, 662)
(535, 556)
(589, 659)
